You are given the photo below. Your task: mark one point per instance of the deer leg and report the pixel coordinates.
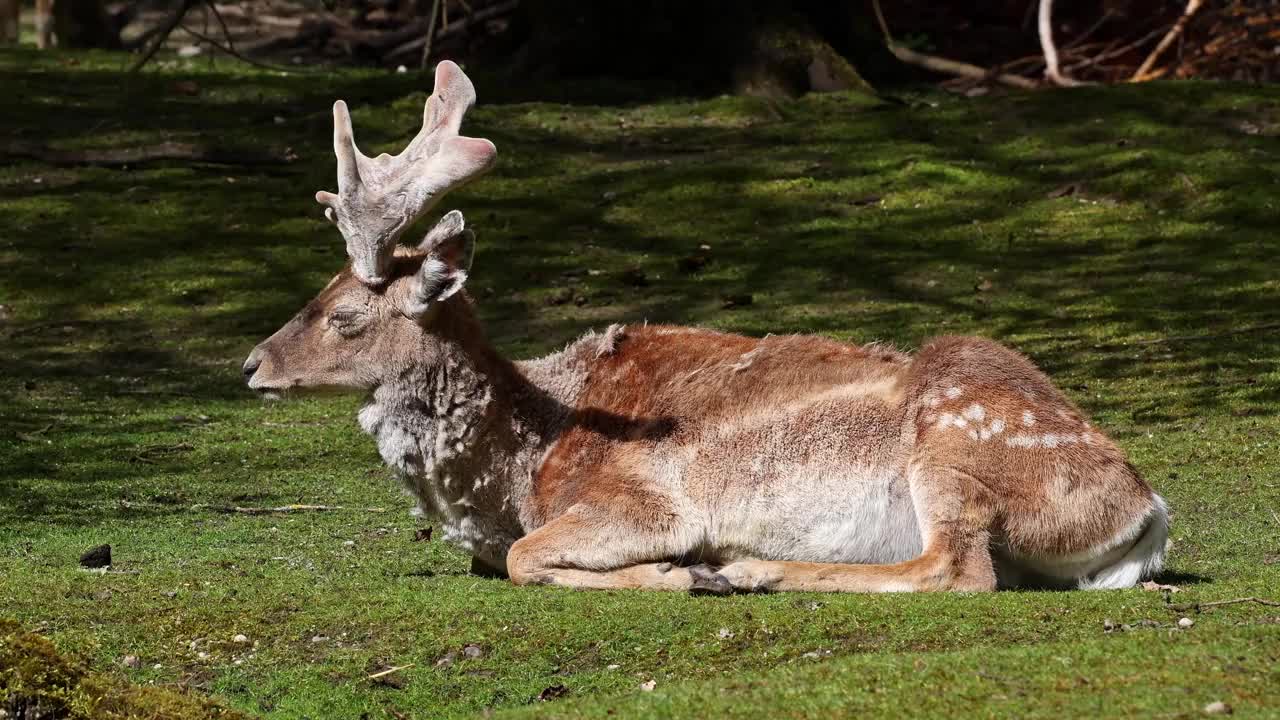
(955, 515)
(589, 550)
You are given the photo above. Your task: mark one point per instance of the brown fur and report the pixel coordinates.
(683, 459)
(633, 442)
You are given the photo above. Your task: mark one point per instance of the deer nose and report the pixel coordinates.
(251, 366)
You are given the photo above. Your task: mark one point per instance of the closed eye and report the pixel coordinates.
(347, 322)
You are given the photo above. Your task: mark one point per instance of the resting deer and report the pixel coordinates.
(677, 458)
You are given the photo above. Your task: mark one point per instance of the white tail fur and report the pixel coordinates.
(1144, 558)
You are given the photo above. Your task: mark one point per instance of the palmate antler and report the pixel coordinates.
(379, 197)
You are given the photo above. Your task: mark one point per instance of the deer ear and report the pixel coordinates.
(444, 271)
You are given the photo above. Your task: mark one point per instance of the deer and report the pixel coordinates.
(660, 457)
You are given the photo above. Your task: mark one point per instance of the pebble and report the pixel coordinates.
(472, 651)
(725, 633)
(349, 543)
(614, 666)
(1217, 708)
(157, 666)
(240, 639)
(131, 661)
(648, 686)
(319, 638)
(1186, 622)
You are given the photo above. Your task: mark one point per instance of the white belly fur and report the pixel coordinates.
(822, 516)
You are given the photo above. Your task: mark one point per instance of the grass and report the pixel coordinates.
(1123, 237)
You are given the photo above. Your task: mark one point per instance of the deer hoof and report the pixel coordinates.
(708, 582)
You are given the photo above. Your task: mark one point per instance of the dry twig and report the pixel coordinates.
(944, 65)
(281, 510)
(1220, 603)
(1144, 70)
(388, 671)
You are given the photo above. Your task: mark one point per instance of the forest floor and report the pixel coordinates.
(1125, 238)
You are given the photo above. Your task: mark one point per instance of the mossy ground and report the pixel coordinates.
(1125, 238)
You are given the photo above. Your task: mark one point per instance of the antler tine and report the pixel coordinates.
(379, 197)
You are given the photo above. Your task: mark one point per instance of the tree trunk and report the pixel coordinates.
(84, 24)
(9, 12)
(760, 47)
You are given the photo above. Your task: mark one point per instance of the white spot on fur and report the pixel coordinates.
(959, 422)
(945, 419)
(973, 434)
(997, 426)
(1022, 440)
(975, 412)
(935, 402)
(1028, 418)
(953, 392)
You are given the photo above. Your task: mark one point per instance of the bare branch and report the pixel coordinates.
(431, 31)
(1144, 70)
(163, 34)
(943, 65)
(1051, 69)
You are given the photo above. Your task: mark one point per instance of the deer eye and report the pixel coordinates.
(347, 322)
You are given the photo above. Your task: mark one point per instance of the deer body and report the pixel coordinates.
(676, 458)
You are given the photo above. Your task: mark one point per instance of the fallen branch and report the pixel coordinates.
(1108, 54)
(115, 157)
(943, 65)
(450, 29)
(162, 35)
(230, 50)
(1143, 72)
(1220, 603)
(283, 509)
(1051, 70)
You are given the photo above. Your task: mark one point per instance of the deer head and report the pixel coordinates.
(376, 314)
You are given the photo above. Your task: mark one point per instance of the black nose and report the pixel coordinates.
(250, 367)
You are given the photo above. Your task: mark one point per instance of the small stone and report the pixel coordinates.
(240, 639)
(447, 660)
(187, 51)
(131, 661)
(349, 543)
(319, 638)
(609, 196)
(171, 594)
(96, 557)
(648, 686)
(471, 652)
(725, 633)
(1186, 622)
(1217, 708)
(202, 655)
(401, 69)
(157, 666)
(613, 666)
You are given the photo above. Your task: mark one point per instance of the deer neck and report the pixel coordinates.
(464, 428)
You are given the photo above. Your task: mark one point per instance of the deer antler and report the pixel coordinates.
(379, 197)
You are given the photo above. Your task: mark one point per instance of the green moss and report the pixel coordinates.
(36, 680)
(1128, 236)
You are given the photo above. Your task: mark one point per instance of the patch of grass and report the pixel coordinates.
(38, 681)
(1122, 237)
